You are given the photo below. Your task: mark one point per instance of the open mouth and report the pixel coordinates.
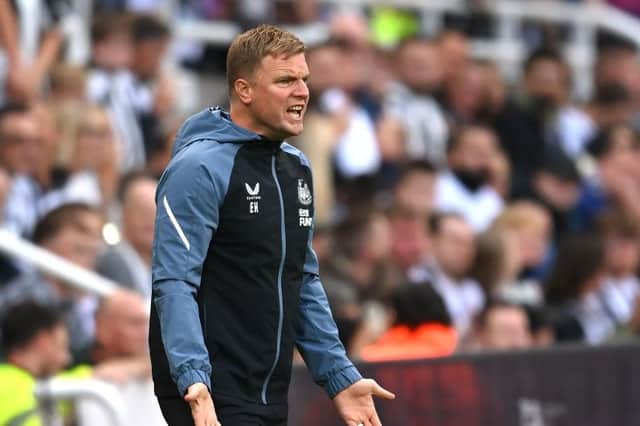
(296, 111)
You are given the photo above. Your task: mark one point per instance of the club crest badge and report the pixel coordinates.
(304, 193)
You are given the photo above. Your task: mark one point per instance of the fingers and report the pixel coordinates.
(382, 392)
(204, 417)
(191, 397)
(375, 420)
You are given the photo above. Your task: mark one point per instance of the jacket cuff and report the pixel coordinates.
(189, 377)
(342, 380)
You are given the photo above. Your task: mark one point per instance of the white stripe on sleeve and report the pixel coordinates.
(175, 223)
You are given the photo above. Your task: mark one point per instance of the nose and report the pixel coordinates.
(301, 90)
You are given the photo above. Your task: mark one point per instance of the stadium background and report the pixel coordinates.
(476, 181)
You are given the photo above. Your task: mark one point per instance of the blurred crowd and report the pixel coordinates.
(456, 211)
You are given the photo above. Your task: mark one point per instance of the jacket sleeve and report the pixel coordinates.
(317, 334)
(186, 219)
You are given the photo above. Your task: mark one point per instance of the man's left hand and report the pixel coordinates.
(355, 403)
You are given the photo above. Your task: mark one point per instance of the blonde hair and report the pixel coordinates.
(522, 215)
(249, 48)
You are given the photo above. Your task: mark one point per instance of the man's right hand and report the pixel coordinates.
(202, 409)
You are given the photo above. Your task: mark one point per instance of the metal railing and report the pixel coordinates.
(50, 392)
(54, 265)
(505, 47)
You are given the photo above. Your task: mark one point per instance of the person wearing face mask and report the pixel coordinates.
(464, 188)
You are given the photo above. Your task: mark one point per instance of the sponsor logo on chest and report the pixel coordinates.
(253, 196)
(305, 198)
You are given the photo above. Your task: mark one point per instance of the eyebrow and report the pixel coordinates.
(290, 77)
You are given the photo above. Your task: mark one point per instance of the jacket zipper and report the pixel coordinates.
(280, 270)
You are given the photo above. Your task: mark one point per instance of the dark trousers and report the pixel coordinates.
(230, 413)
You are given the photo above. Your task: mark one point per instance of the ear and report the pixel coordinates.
(243, 90)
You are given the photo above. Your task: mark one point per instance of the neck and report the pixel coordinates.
(25, 361)
(241, 117)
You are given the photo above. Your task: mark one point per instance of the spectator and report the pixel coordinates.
(547, 84)
(530, 225)
(616, 181)
(464, 188)
(35, 343)
(119, 351)
(356, 151)
(611, 105)
(410, 101)
(528, 122)
(415, 187)
(453, 247)
(19, 139)
(497, 261)
(455, 52)
(93, 165)
(20, 146)
(42, 184)
(138, 100)
(129, 262)
(422, 327)
(465, 95)
(518, 127)
(502, 326)
(358, 269)
(108, 82)
(572, 292)
(617, 63)
(111, 48)
(557, 185)
(621, 288)
(71, 231)
(410, 245)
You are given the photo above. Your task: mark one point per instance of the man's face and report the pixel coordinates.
(122, 328)
(279, 96)
(475, 151)
(139, 214)
(417, 191)
(78, 246)
(454, 247)
(506, 328)
(113, 53)
(148, 56)
(19, 143)
(410, 242)
(547, 81)
(53, 350)
(420, 67)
